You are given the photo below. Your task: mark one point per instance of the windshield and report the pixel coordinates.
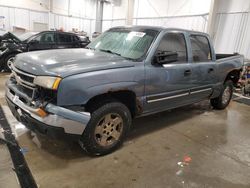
(126, 43)
(25, 36)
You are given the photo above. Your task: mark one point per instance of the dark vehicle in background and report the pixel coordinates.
(10, 45)
(7, 36)
(45, 40)
(84, 40)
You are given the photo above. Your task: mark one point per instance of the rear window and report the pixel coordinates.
(64, 38)
(200, 48)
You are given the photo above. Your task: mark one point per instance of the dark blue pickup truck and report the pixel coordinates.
(93, 94)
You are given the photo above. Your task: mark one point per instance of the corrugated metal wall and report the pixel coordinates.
(232, 33)
(191, 22)
(191, 14)
(20, 17)
(57, 21)
(24, 18)
(108, 23)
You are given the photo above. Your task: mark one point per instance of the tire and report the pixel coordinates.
(7, 61)
(225, 97)
(106, 129)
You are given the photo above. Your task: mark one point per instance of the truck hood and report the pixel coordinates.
(66, 62)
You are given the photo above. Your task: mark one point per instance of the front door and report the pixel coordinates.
(66, 41)
(168, 85)
(43, 41)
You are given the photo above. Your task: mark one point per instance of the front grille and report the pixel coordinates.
(25, 78)
(24, 85)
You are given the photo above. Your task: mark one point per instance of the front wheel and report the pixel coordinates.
(224, 99)
(106, 129)
(8, 62)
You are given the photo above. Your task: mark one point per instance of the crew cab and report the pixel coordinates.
(93, 94)
(13, 45)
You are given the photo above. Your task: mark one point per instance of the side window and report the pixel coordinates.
(200, 48)
(64, 38)
(45, 38)
(38, 38)
(174, 42)
(75, 38)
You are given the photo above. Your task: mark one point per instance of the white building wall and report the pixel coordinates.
(232, 31)
(114, 14)
(78, 14)
(40, 5)
(23, 18)
(160, 8)
(60, 7)
(191, 14)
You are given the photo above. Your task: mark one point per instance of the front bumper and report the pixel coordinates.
(57, 118)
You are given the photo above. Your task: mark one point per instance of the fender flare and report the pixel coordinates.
(83, 95)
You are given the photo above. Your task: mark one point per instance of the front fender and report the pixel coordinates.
(7, 52)
(78, 89)
(80, 96)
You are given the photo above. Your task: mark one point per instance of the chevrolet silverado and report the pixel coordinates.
(93, 94)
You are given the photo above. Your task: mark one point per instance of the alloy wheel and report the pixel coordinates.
(226, 95)
(109, 129)
(10, 61)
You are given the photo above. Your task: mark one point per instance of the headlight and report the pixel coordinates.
(47, 82)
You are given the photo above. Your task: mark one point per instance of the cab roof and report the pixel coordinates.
(157, 28)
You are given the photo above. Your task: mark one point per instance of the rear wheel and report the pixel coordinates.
(224, 99)
(107, 129)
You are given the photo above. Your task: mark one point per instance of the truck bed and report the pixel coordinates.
(221, 56)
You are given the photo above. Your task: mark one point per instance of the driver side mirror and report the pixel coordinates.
(164, 57)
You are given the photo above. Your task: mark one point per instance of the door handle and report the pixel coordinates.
(187, 72)
(210, 70)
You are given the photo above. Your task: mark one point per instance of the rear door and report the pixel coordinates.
(65, 40)
(43, 41)
(167, 86)
(204, 69)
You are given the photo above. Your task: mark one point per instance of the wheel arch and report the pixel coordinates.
(233, 75)
(3, 58)
(127, 97)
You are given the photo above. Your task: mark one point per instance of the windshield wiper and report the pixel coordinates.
(109, 51)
